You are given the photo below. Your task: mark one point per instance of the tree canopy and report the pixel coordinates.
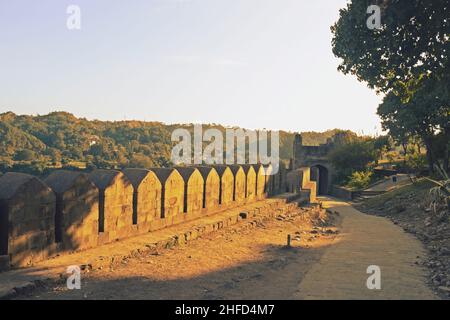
(407, 60)
(36, 143)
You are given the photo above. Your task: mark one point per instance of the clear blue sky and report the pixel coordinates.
(252, 63)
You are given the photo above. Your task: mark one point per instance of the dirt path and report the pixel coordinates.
(409, 208)
(364, 241)
(253, 263)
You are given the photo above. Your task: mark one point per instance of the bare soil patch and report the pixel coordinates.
(245, 261)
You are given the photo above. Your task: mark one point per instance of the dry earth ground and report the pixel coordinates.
(233, 263)
(253, 263)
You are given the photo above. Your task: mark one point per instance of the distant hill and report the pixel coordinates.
(37, 143)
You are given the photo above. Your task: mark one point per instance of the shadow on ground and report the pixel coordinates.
(274, 276)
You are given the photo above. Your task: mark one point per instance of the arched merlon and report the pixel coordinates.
(193, 190)
(250, 185)
(239, 183)
(211, 188)
(226, 185)
(172, 196)
(146, 198)
(27, 211)
(260, 180)
(77, 209)
(115, 204)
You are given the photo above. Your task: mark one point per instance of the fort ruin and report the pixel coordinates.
(71, 211)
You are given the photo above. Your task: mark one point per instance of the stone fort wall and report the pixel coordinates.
(70, 211)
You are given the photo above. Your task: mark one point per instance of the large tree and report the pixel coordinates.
(412, 41)
(406, 59)
(425, 115)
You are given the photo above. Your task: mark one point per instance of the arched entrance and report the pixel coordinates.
(320, 174)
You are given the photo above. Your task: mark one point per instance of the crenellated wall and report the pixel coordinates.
(71, 211)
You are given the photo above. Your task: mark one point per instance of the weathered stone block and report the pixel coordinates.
(211, 188)
(77, 209)
(226, 186)
(27, 210)
(250, 185)
(147, 197)
(260, 181)
(240, 181)
(115, 202)
(172, 203)
(193, 190)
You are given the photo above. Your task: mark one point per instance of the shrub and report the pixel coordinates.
(416, 161)
(24, 155)
(360, 179)
(140, 161)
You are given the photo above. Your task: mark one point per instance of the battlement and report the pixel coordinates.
(71, 211)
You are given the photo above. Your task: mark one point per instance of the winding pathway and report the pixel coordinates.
(367, 240)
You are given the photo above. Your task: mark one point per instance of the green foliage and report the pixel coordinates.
(354, 156)
(24, 155)
(140, 161)
(421, 116)
(13, 139)
(360, 179)
(382, 143)
(35, 168)
(408, 60)
(415, 161)
(412, 42)
(61, 139)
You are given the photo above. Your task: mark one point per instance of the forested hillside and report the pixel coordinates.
(37, 143)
